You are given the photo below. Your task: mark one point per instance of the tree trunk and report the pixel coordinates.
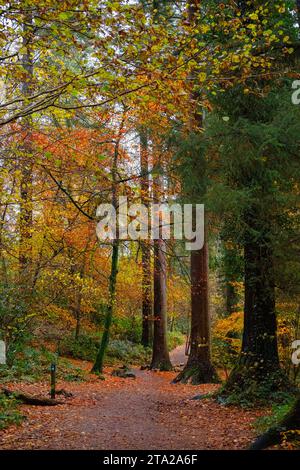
(145, 246)
(298, 11)
(99, 362)
(26, 165)
(160, 357)
(232, 274)
(78, 301)
(78, 316)
(231, 298)
(160, 354)
(199, 368)
(147, 294)
(257, 371)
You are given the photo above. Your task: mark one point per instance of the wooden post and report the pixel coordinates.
(53, 380)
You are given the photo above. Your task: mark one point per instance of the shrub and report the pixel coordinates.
(85, 347)
(9, 413)
(127, 328)
(33, 365)
(128, 352)
(175, 338)
(226, 342)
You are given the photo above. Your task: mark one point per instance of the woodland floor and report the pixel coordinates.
(143, 413)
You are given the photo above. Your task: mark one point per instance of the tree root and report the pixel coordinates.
(196, 375)
(162, 365)
(249, 383)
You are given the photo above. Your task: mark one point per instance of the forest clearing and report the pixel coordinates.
(150, 225)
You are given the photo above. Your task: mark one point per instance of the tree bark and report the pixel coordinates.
(258, 368)
(160, 356)
(198, 368)
(78, 315)
(298, 11)
(232, 274)
(145, 246)
(99, 361)
(26, 163)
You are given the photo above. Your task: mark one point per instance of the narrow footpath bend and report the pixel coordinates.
(143, 413)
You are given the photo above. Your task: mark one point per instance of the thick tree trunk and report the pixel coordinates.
(199, 368)
(259, 338)
(257, 371)
(145, 246)
(160, 357)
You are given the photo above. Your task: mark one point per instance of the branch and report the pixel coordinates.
(63, 189)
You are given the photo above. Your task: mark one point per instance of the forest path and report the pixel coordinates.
(143, 413)
(178, 356)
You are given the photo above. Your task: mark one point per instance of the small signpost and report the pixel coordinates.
(53, 380)
(2, 352)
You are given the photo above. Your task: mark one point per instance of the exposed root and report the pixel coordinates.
(195, 375)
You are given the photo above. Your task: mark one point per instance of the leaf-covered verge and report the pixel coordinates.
(290, 438)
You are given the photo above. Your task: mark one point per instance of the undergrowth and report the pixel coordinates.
(9, 413)
(33, 365)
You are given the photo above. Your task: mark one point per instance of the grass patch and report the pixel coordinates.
(278, 412)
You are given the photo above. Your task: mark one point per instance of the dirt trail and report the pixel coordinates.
(178, 356)
(143, 413)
